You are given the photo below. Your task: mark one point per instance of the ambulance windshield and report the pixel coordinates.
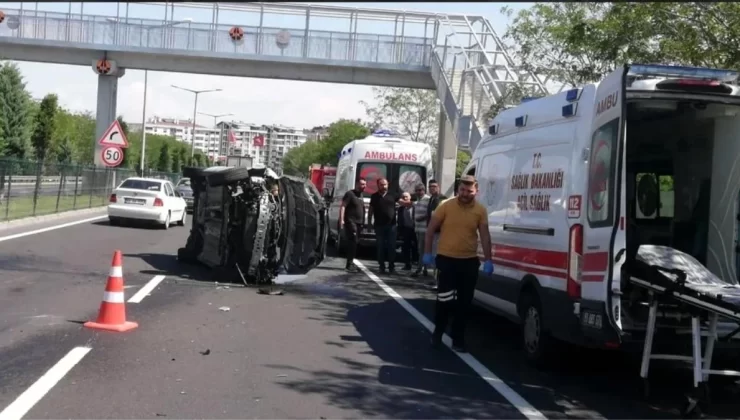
(401, 177)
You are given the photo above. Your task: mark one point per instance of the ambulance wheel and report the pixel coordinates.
(536, 341)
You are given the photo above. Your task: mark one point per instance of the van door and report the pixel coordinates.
(605, 205)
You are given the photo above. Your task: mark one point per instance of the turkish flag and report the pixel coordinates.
(259, 141)
(232, 138)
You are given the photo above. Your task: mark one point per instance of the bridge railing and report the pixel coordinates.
(211, 38)
(29, 188)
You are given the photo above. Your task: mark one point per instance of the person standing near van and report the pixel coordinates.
(382, 211)
(406, 225)
(460, 220)
(351, 218)
(420, 226)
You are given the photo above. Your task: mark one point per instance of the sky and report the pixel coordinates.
(260, 101)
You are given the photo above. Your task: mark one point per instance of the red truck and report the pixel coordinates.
(322, 177)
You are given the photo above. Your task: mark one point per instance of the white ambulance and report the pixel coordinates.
(576, 181)
(382, 154)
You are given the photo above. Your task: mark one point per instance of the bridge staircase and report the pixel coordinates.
(473, 71)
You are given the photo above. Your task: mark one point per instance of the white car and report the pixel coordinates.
(147, 199)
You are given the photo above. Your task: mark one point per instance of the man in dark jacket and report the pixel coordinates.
(409, 248)
(351, 218)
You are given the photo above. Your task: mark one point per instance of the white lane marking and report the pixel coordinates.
(50, 228)
(144, 291)
(25, 402)
(494, 381)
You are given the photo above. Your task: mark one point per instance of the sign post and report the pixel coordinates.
(111, 145)
(115, 137)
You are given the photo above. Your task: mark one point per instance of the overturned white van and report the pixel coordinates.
(580, 184)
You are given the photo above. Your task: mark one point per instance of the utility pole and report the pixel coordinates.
(221, 133)
(195, 112)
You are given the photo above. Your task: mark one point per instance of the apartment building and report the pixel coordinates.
(206, 138)
(216, 141)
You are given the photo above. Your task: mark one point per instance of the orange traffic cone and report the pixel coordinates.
(112, 315)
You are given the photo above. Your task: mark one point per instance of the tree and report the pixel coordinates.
(127, 161)
(176, 161)
(412, 112)
(579, 43)
(297, 160)
(164, 163)
(463, 158)
(15, 113)
(44, 126)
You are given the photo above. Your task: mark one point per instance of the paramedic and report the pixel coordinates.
(420, 226)
(460, 221)
(435, 199)
(351, 217)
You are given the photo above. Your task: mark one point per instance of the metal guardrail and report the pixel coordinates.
(31, 179)
(58, 188)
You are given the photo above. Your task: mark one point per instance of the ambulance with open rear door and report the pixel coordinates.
(575, 182)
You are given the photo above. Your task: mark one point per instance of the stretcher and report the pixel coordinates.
(678, 284)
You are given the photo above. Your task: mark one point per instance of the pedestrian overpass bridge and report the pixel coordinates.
(459, 56)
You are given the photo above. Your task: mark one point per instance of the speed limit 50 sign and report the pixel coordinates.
(112, 156)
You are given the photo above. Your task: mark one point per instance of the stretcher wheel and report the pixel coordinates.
(698, 402)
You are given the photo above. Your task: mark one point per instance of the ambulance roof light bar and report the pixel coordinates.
(385, 133)
(657, 70)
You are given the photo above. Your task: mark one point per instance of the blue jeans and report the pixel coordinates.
(385, 242)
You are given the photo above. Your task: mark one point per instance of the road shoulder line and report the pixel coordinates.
(50, 228)
(144, 291)
(522, 405)
(25, 402)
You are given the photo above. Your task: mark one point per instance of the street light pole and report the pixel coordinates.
(195, 112)
(221, 133)
(143, 124)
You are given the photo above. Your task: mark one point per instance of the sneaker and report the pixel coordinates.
(382, 270)
(392, 270)
(352, 270)
(416, 273)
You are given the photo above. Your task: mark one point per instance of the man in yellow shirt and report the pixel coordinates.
(459, 220)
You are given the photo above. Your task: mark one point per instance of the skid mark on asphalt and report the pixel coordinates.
(25, 402)
(494, 381)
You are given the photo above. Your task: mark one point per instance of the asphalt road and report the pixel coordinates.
(333, 346)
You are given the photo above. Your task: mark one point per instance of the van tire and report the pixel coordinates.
(536, 342)
(192, 172)
(228, 176)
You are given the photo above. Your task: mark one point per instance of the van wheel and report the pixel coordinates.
(536, 341)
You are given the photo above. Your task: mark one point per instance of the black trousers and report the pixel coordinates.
(351, 233)
(456, 285)
(409, 247)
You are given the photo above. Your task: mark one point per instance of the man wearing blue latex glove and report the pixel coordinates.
(488, 267)
(460, 220)
(428, 259)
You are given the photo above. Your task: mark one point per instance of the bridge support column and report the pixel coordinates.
(106, 109)
(446, 155)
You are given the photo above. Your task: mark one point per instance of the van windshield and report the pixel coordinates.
(401, 177)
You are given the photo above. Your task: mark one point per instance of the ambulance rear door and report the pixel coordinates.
(603, 230)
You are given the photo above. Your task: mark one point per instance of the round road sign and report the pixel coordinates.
(112, 156)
